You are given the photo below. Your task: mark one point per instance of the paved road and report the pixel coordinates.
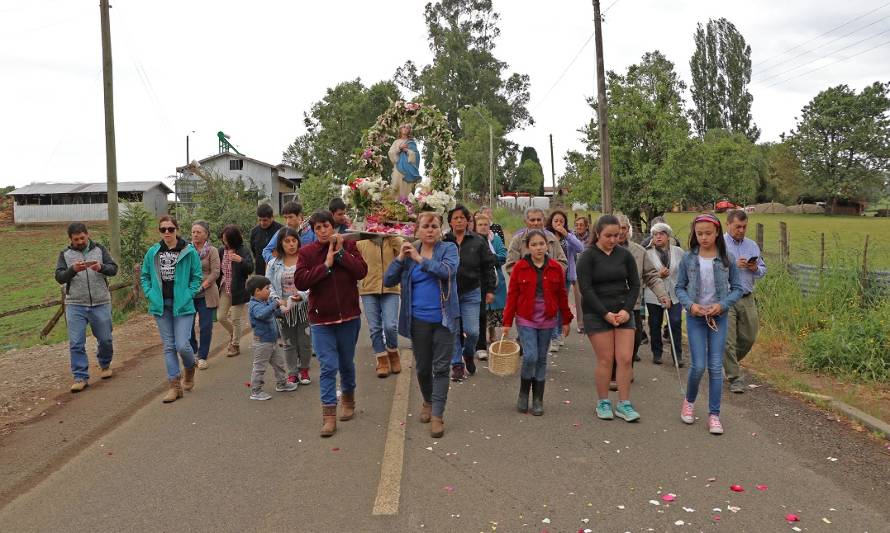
(216, 461)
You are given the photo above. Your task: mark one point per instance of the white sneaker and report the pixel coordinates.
(482, 354)
(561, 340)
(202, 364)
(287, 387)
(554, 346)
(261, 396)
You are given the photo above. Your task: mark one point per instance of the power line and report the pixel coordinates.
(767, 60)
(805, 52)
(610, 6)
(841, 60)
(565, 71)
(822, 57)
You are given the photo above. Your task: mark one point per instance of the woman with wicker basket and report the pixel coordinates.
(537, 298)
(427, 273)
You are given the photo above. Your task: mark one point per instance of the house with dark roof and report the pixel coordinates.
(83, 202)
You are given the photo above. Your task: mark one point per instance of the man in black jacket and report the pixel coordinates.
(476, 282)
(261, 234)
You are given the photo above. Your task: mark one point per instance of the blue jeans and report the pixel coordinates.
(556, 332)
(534, 344)
(334, 345)
(468, 333)
(176, 334)
(706, 347)
(204, 317)
(675, 322)
(382, 314)
(99, 319)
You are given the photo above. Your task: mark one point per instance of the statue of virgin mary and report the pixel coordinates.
(405, 159)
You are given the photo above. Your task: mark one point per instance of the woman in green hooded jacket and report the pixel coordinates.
(171, 277)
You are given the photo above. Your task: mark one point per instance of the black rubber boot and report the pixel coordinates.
(522, 402)
(538, 397)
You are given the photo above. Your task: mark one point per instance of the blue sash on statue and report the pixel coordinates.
(408, 169)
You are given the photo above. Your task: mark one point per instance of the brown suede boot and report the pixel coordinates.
(425, 412)
(395, 364)
(347, 405)
(188, 380)
(437, 427)
(174, 392)
(382, 366)
(329, 416)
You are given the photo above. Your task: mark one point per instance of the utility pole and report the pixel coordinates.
(110, 149)
(187, 158)
(602, 116)
(552, 165)
(491, 198)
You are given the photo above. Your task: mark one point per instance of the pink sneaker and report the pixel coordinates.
(686, 413)
(714, 425)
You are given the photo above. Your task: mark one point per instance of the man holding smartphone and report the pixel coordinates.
(83, 268)
(743, 318)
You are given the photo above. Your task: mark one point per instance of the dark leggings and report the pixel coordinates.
(433, 345)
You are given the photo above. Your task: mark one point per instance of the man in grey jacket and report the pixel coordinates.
(83, 268)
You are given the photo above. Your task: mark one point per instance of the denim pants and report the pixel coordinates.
(382, 315)
(535, 343)
(675, 320)
(176, 334)
(431, 344)
(706, 349)
(99, 319)
(556, 332)
(204, 317)
(334, 346)
(468, 332)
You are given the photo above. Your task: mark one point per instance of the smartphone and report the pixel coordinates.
(753, 259)
(90, 263)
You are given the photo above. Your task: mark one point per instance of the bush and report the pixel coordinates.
(222, 201)
(854, 344)
(316, 192)
(136, 223)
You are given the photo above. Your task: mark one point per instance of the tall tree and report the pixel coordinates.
(465, 71)
(843, 141)
(335, 125)
(784, 181)
(721, 72)
(472, 153)
(530, 173)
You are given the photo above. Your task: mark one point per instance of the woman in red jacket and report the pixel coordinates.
(330, 269)
(536, 292)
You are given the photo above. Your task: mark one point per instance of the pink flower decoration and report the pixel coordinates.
(368, 154)
(791, 517)
(737, 488)
(669, 497)
(761, 487)
(412, 106)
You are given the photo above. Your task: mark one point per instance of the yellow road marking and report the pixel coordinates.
(389, 487)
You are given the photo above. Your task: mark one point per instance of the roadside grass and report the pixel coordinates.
(29, 279)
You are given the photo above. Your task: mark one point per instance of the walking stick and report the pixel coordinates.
(673, 352)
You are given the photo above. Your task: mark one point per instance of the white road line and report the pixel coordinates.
(389, 487)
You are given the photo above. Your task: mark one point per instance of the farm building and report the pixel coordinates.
(64, 202)
(278, 183)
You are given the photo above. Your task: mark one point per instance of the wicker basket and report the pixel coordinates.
(504, 357)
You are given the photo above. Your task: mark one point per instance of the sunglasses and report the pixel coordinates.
(167, 229)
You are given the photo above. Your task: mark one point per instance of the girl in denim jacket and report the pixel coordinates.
(707, 286)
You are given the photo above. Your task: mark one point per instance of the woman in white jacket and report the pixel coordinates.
(666, 257)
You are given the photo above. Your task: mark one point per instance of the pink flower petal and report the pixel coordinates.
(791, 517)
(716, 517)
(736, 488)
(669, 497)
(448, 488)
(761, 487)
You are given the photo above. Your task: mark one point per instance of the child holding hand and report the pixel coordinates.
(262, 311)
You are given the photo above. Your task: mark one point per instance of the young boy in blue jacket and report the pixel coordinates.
(263, 310)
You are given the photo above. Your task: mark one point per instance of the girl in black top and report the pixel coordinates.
(609, 282)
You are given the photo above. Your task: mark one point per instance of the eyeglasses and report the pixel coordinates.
(167, 229)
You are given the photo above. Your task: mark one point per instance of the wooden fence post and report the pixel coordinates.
(822, 253)
(759, 236)
(783, 242)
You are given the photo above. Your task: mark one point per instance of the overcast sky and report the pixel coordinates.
(252, 68)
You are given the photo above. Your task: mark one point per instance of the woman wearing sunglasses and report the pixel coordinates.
(708, 284)
(171, 277)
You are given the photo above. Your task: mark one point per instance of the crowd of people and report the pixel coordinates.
(305, 285)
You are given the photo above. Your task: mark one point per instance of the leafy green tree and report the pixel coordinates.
(465, 71)
(135, 224)
(721, 72)
(784, 181)
(472, 152)
(842, 140)
(335, 125)
(316, 193)
(582, 178)
(529, 177)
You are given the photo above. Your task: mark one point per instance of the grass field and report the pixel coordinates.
(844, 236)
(27, 278)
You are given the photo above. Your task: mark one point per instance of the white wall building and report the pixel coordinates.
(278, 183)
(83, 202)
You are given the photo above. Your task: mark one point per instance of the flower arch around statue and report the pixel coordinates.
(370, 194)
